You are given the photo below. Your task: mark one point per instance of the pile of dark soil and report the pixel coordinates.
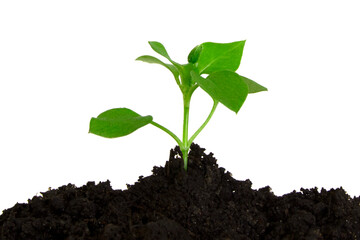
(204, 203)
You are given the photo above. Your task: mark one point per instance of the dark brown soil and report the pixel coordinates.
(204, 203)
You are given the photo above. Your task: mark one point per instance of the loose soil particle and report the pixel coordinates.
(204, 203)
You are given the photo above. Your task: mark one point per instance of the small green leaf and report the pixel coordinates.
(151, 59)
(160, 49)
(220, 56)
(117, 122)
(225, 86)
(253, 86)
(194, 54)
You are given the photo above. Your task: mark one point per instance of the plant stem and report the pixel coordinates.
(168, 132)
(185, 142)
(205, 123)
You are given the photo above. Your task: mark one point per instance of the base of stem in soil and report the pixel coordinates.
(203, 203)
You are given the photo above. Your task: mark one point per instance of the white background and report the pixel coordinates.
(63, 62)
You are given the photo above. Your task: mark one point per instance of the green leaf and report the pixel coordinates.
(253, 86)
(117, 122)
(225, 86)
(220, 56)
(151, 59)
(195, 54)
(160, 49)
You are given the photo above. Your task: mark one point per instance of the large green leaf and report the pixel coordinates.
(253, 86)
(151, 59)
(220, 56)
(226, 87)
(117, 122)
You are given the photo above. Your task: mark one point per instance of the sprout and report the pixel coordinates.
(218, 61)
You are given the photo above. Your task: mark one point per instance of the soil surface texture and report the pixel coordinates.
(203, 203)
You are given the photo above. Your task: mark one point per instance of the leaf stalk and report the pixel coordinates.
(205, 123)
(178, 141)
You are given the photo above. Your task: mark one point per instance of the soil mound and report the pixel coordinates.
(204, 203)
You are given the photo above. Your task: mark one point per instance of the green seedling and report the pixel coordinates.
(218, 61)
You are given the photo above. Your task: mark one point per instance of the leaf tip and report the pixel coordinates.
(151, 43)
(141, 58)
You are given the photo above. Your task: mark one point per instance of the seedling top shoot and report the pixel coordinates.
(218, 61)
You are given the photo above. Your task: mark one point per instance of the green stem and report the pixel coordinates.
(205, 123)
(187, 93)
(185, 148)
(168, 132)
(177, 81)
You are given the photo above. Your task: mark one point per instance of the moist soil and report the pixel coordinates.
(203, 203)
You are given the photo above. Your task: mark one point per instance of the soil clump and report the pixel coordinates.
(204, 203)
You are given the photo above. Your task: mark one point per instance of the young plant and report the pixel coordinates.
(218, 61)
